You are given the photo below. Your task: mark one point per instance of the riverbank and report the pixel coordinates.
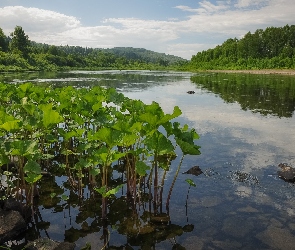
(260, 71)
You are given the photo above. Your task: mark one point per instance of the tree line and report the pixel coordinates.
(18, 53)
(272, 48)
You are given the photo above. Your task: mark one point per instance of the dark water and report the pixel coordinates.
(247, 127)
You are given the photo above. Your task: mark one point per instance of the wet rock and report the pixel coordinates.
(66, 246)
(12, 204)
(48, 244)
(244, 177)
(286, 173)
(194, 171)
(11, 224)
(190, 92)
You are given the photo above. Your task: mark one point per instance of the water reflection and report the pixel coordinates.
(247, 128)
(265, 94)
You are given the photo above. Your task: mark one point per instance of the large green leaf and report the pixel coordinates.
(188, 148)
(33, 171)
(50, 116)
(141, 168)
(107, 156)
(4, 117)
(11, 126)
(25, 148)
(108, 135)
(191, 182)
(103, 190)
(176, 112)
(158, 143)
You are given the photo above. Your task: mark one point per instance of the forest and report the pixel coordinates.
(272, 48)
(18, 53)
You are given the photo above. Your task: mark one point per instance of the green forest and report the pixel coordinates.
(18, 53)
(272, 48)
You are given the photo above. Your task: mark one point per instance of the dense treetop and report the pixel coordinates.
(264, 49)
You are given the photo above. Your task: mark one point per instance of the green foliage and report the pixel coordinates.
(19, 41)
(20, 54)
(191, 182)
(3, 41)
(264, 49)
(92, 129)
(33, 172)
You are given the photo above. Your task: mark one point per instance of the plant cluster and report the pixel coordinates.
(88, 131)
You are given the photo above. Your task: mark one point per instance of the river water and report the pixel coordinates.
(247, 127)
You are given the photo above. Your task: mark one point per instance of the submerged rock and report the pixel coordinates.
(48, 244)
(13, 204)
(11, 224)
(286, 173)
(194, 171)
(244, 177)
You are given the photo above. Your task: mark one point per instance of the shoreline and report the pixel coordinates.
(258, 72)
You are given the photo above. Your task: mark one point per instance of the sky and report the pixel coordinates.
(176, 27)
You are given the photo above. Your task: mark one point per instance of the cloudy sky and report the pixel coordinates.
(177, 27)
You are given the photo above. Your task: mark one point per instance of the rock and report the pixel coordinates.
(244, 177)
(11, 224)
(66, 246)
(286, 173)
(48, 244)
(194, 171)
(190, 92)
(12, 204)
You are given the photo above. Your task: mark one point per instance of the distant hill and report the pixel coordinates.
(140, 54)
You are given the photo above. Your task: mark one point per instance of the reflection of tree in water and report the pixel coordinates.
(115, 79)
(274, 95)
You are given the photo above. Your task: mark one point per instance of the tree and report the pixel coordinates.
(20, 42)
(3, 41)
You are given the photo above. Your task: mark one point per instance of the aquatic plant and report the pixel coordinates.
(89, 132)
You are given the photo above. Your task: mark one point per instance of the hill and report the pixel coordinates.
(145, 55)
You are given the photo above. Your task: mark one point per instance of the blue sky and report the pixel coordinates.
(177, 27)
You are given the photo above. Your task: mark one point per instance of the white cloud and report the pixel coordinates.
(206, 7)
(187, 50)
(36, 20)
(250, 3)
(220, 21)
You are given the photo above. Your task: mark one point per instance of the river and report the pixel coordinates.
(247, 128)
